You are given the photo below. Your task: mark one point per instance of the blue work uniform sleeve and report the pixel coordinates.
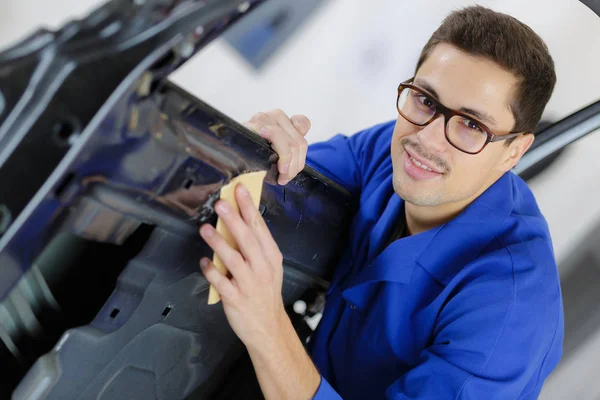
(349, 160)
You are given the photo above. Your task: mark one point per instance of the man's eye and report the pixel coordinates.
(426, 101)
(472, 125)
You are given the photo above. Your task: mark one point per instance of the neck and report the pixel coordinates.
(421, 218)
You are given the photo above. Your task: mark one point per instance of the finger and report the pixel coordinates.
(260, 118)
(251, 126)
(281, 143)
(297, 127)
(255, 123)
(299, 148)
(281, 119)
(291, 152)
(243, 235)
(258, 226)
(292, 170)
(274, 135)
(221, 283)
(297, 144)
(302, 124)
(303, 150)
(232, 259)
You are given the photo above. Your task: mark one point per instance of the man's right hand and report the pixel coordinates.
(286, 136)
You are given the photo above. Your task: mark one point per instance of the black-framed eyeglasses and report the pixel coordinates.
(462, 131)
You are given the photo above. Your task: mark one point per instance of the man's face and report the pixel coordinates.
(458, 81)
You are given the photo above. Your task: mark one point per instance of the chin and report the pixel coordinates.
(415, 192)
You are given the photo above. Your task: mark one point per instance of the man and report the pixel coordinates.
(449, 288)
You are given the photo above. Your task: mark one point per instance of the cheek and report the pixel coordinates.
(472, 170)
(464, 169)
(403, 128)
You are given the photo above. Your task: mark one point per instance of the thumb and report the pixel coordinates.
(301, 123)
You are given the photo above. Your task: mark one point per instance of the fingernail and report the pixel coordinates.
(286, 167)
(242, 190)
(223, 207)
(207, 230)
(204, 262)
(263, 129)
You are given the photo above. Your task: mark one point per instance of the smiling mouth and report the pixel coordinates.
(419, 164)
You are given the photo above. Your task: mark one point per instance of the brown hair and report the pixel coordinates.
(511, 44)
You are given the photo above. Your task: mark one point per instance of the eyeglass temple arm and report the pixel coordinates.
(498, 138)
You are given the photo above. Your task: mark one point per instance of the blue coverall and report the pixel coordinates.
(469, 310)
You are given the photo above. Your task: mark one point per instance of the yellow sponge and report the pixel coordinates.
(253, 181)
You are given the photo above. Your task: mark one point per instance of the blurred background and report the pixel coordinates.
(339, 62)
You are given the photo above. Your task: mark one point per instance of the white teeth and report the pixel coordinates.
(418, 164)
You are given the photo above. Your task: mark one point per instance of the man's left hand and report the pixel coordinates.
(252, 297)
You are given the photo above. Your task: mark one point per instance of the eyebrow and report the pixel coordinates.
(477, 114)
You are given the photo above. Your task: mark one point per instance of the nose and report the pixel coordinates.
(433, 135)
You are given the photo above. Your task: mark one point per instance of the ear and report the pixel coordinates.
(516, 149)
